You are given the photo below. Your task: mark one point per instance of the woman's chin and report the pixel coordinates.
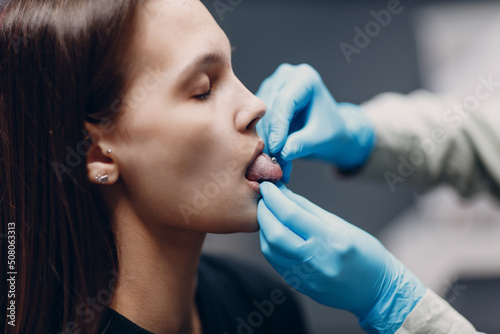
(251, 228)
(239, 226)
(235, 218)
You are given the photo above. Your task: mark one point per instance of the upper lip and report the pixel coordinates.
(258, 150)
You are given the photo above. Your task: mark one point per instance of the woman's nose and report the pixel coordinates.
(251, 110)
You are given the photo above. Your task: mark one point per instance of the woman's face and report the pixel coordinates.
(187, 135)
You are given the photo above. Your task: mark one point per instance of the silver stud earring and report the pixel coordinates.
(109, 151)
(102, 178)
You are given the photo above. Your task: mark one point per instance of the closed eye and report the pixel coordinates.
(204, 96)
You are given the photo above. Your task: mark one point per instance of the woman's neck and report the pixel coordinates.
(157, 275)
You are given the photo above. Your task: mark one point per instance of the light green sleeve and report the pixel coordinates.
(424, 139)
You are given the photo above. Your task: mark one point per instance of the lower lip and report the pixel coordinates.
(254, 185)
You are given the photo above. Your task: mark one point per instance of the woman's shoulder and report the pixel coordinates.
(235, 296)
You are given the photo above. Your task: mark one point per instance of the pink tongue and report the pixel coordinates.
(263, 169)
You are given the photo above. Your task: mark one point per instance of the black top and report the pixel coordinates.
(232, 298)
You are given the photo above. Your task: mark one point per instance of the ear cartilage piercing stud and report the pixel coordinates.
(102, 178)
(109, 151)
(274, 161)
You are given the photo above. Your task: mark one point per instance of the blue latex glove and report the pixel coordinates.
(333, 262)
(300, 104)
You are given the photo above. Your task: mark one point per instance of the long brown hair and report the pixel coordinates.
(62, 63)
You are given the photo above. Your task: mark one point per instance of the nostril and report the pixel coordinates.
(253, 124)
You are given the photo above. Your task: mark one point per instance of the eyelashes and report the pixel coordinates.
(206, 95)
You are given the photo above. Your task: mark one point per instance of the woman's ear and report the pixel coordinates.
(101, 166)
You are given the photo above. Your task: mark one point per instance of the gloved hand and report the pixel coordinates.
(300, 104)
(333, 262)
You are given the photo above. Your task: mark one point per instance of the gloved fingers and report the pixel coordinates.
(289, 269)
(289, 213)
(304, 202)
(335, 230)
(286, 167)
(279, 260)
(281, 185)
(333, 220)
(303, 87)
(319, 133)
(268, 253)
(277, 235)
(291, 99)
(273, 83)
(348, 107)
(267, 93)
(263, 133)
(299, 144)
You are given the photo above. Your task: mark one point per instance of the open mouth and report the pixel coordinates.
(263, 168)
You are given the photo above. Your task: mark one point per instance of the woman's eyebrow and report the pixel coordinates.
(209, 59)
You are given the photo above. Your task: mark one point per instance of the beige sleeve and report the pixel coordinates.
(433, 315)
(424, 139)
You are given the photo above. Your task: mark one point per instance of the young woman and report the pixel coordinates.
(125, 138)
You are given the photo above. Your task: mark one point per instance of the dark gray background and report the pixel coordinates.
(268, 33)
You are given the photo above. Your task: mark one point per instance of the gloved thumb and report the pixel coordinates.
(311, 207)
(299, 144)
